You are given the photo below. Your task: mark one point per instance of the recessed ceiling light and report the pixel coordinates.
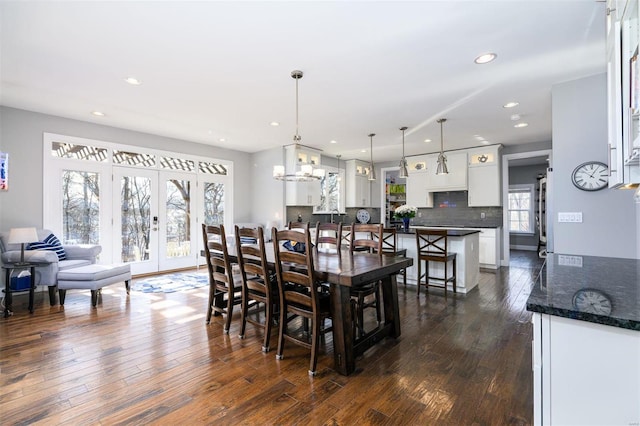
(133, 81)
(274, 124)
(510, 105)
(363, 150)
(98, 113)
(484, 142)
(210, 132)
(515, 117)
(478, 137)
(427, 140)
(485, 58)
(333, 141)
(222, 140)
(519, 125)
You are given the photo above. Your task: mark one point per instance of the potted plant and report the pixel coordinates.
(405, 213)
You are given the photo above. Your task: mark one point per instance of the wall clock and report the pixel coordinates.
(590, 176)
(592, 301)
(363, 216)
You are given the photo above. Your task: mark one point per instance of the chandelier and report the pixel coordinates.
(305, 172)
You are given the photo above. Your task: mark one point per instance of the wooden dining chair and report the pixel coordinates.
(299, 294)
(369, 238)
(223, 283)
(433, 247)
(329, 234)
(346, 236)
(298, 225)
(390, 248)
(259, 285)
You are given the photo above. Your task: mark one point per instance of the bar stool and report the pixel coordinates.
(432, 246)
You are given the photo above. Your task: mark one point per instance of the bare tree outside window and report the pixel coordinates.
(213, 203)
(80, 207)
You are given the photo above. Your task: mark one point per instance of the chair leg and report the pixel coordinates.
(94, 298)
(282, 329)
(126, 285)
(227, 322)
(378, 307)
(62, 294)
(446, 277)
(52, 295)
(455, 275)
(211, 300)
(360, 310)
(268, 320)
(315, 344)
(243, 315)
(419, 275)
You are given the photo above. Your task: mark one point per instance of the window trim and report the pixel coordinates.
(530, 188)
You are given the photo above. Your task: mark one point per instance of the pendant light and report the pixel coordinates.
(404, 172)
(372, 170)
(307, 172)
(442, 159)
(339, 178)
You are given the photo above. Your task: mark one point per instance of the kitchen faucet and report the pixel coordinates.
(334, 211)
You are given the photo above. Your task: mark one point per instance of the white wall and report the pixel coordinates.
(610, 226)
(21, 136)
(268, 194)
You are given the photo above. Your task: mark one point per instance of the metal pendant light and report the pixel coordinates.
(372, 170)
(307, 172)
(339, 178)
(442, 159)
(404, 172)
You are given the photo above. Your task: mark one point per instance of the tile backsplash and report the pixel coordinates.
(307, 215)
(451, 209)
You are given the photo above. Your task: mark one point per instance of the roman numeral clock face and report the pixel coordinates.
(591, 176)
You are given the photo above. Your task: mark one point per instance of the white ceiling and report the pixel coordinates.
(221, 70)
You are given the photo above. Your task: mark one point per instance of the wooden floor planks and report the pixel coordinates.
(151, 359)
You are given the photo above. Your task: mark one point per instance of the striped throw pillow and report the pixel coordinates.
(51, 243)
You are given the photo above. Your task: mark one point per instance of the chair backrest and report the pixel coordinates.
(217, 256)
(252, 260)
(373, 234)
(297, 269)
(329, 233)
(299, 225)
(389, 240)
(432, 242)
(346, 235)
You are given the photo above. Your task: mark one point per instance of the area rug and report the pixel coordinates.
(171, 283)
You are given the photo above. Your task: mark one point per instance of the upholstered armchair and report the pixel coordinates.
(76, 255)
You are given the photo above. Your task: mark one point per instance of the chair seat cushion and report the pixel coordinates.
(68, 264)
(93, 272)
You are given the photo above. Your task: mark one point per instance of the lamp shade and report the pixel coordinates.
(22, 235)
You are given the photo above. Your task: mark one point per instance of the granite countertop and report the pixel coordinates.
(603, 290)
(423, 225)
(450, 232)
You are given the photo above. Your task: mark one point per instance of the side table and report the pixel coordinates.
(9, 267)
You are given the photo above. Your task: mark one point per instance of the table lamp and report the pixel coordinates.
(22, 236)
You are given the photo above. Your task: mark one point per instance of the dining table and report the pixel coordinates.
(344, 270)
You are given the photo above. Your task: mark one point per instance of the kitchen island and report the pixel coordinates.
(586, 341)
(463, 242)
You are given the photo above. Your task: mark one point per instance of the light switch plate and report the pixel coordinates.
(570, 217)
(565, 260)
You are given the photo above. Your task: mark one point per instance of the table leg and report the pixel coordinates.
(7, 293)
(391, 308)
(32, 288)
(343, 353)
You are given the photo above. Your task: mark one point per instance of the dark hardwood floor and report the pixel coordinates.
(151, 359)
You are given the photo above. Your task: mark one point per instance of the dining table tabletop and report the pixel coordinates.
(344, 270)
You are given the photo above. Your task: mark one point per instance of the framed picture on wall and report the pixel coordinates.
(4, 171)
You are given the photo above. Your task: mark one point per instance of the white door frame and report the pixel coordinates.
(505, 200)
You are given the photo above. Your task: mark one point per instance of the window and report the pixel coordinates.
(521, 213)
(331, 192)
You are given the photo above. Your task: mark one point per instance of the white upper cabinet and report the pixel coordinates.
(485, 183)
(302, 193)
(417, 194)
(358, 187)
(455, 180)
(623, 92)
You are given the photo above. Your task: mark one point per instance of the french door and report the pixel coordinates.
(154, 218)
(144, 207)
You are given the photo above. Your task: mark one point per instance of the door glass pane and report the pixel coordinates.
(213, 203)
(135, 198)
(80, 207)
(178, 218)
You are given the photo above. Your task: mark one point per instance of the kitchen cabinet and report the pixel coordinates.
(455, 180)
(358, 187)
(417, 193)
(584, 373)
(485, 183)
(302, 193)
(623, 92)
(489, 251)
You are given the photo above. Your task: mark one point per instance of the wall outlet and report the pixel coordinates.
(483, 215)
(565, 260)
(570, 217)
(419, 214)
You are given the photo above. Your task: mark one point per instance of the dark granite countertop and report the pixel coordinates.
(426, 225)
(450, 232)
(603, 290)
